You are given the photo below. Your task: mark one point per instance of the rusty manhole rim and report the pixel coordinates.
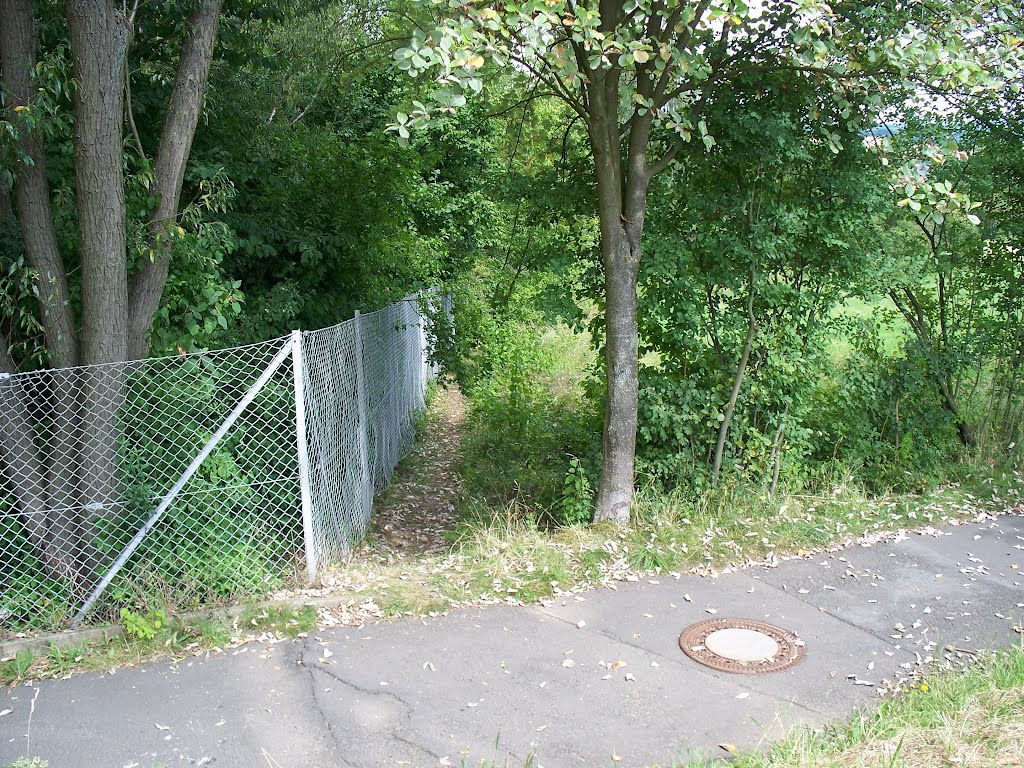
(691, 642)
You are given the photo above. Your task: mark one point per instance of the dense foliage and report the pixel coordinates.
(822, 301)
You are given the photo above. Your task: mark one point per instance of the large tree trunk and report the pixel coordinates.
(45, 484)
(622, 198)
(183, 110)
(31, 191)
(19, 457)
(615, 489)
(99, 38)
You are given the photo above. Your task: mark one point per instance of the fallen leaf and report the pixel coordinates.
(616, 665)
(732, 749)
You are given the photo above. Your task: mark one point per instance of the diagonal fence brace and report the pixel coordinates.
(285, 352)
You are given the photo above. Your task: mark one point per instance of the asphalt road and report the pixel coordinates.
(496, 684)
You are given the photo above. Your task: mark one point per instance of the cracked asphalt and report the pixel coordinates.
(497, 684)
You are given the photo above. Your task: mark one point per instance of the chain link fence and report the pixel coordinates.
(203, 478)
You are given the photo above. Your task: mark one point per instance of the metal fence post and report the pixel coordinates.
(362, 433)
(393, 371)
(302, 447)
(421, 385)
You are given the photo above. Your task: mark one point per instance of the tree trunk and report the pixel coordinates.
(622, 199)
(31, 191)
(46, 483)
(99, 38)
(777, 452)
(183, 110)
(615, 489)
(913, 313)
(19, 456)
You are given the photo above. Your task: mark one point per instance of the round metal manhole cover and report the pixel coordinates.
(742, 646)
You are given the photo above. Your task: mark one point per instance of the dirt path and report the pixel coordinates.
(418, 508)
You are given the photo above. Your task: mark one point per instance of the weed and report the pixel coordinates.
(143, 626)
(63, 661)
(577, 495)
(16, 667)
(210, 632)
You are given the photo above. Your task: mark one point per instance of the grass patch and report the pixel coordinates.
(972, 718)
(174, 639)
(503, 555)
(892, 331)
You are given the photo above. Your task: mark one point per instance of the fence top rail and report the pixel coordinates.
(277, 340)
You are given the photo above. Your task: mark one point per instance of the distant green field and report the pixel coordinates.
(893, 329)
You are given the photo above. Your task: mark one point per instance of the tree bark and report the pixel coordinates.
(19, 456)
(622, 199)
(31, 190)
(47, 483)
(615, 489)
(183, 110)
(99, 39)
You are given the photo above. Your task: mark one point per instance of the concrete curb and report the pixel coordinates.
(94, 635)
(43, 643)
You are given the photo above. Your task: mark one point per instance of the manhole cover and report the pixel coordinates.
(743, 646)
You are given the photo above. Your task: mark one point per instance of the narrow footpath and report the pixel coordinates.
(418, 508)
(592, 680)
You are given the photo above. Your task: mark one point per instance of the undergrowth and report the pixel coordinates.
(969, 718)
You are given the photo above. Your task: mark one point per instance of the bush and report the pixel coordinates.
(881, 416)
(533, 433)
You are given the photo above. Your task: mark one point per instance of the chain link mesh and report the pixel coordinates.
(177, 482)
